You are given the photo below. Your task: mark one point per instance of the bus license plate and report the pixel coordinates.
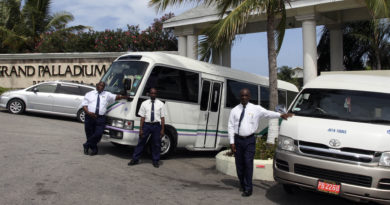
(329, 187)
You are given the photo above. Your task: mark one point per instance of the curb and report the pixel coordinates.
(262, 169)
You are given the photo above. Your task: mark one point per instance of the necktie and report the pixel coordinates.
(241, 117)
(97, 105)
(152, 113)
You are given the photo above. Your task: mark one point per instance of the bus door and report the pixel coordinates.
(209, 114)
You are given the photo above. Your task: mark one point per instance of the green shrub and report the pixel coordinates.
(264, 151)
(2, 90)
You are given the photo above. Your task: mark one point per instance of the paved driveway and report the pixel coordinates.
(42, 163)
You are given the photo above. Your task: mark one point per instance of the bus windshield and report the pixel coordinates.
(358, 106)
(120, 70)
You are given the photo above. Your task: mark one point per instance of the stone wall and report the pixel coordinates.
(23, 70)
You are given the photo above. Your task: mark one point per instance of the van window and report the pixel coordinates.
(282, 97)
(233, 93)
(290, 97)
(84, 90)
(358, 106)
(264, 97)
(174, 84)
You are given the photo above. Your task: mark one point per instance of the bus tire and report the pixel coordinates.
(16, 106)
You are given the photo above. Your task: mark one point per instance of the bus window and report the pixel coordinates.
(282, 97)
(205, 95)
(215, 97)
(264, 95)
(174, 84)
(233, 93)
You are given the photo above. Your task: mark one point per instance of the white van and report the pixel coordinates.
(338, 142)
(198, 97)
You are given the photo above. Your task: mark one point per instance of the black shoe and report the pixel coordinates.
(133, 162)
(85, 151)
(93, 153)
(246, 193)
(156, 165)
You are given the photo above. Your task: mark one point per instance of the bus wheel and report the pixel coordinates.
(166, 145)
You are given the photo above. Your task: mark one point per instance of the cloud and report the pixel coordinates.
(111, 14)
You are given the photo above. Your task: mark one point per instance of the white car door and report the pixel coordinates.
(67, 99)
(40, 97)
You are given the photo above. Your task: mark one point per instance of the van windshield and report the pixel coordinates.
(120, 70)
(358, 106)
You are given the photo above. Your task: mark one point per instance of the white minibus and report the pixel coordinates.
(338, 142)
(198, 97)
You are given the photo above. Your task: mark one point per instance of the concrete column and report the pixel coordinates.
(309, 47)
(227, 56)
(182, 45)
(192, 46)
(223, 57)
(336, 48)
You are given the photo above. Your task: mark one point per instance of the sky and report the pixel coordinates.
(249, 52)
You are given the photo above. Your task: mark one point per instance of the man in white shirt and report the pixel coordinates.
(152, 123)
(243, 122)
(95, 106)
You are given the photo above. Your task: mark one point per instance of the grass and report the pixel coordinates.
(2, 90)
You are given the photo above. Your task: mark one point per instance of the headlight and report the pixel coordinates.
(117, 123)
(129, 124)
(385, 159)
(286, 143)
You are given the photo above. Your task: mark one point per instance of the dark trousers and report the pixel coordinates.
(94, 130)
(245, 153)
(155, 141)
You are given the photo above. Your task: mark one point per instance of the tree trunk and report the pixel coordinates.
(272, 66)
(273, 126)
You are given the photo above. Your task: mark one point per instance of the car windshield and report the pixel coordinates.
(120, 70)
(358, 106)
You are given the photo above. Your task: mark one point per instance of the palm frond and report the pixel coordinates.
(379, 8)
(59, 20)
(161, 5)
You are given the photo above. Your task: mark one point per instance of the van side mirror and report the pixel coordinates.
(35, 89)
(281, 109)
(127, 84)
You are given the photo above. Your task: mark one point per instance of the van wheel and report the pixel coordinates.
(16, 106)
(290, 189)
(81, 115)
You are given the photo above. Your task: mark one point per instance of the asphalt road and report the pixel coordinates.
(42, 163)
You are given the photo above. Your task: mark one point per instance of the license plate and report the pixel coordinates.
(329, 187)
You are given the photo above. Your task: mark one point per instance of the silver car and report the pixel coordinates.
(56, 97)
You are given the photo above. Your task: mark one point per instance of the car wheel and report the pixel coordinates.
(81, 115)
(16, 106)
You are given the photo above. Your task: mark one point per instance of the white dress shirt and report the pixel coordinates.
(146, 109)
(250, 122)
(90, 100)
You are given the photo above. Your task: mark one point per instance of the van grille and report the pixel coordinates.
(281, 164)
(344, 153)
(384, 184)
(336, 176)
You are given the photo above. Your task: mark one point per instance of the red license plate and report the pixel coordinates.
(329, 187)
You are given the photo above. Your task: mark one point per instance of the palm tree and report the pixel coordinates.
(240, 11)
(22, 27)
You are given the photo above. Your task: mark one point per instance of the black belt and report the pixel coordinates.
(152, 123)
(244, 137)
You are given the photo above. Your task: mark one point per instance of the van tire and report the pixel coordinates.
(16, 106)
(290, 189)
(81, 115)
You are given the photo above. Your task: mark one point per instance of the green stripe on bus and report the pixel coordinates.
(112, 105)
(192, 130)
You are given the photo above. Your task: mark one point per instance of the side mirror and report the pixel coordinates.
(281, 109)
(35, 89)
(127, 84)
